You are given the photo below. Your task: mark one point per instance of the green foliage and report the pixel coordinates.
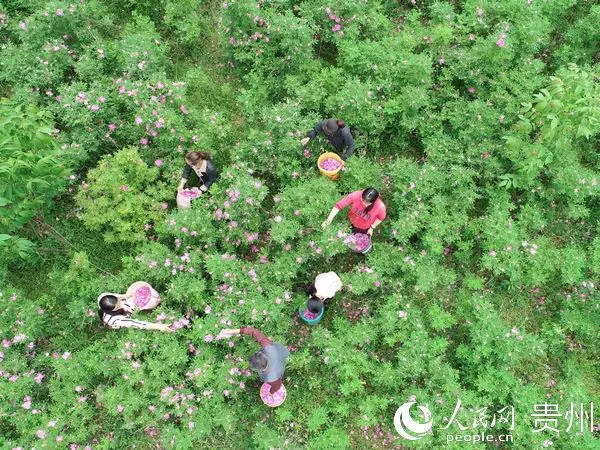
(469, 117)
(33, 169)
(120, 196)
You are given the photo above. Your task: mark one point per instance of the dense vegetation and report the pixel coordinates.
(479, 122)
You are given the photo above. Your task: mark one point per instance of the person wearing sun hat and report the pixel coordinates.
(326, 285)
(337, 133)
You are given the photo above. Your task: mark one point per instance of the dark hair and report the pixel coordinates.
(312, 290)
(333, 125)
(107, 304)
(194, 157)
(258, 361)
(314, 305)
(370, 195)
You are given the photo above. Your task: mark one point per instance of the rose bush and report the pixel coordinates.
(482, 281)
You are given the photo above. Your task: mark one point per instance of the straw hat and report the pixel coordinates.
(327, 284)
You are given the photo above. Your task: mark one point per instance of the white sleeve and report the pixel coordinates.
(118, 321)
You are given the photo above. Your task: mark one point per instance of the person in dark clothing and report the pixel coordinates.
(269, 361)
(198, 165)
(337, 133)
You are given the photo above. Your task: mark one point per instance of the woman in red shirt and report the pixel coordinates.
(367, 210)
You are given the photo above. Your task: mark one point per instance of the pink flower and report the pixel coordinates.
(295, 174)
(120, 408)
(231, 40)
(112, 127)
(501, 118)
(500, 42)
(471, 37)
(66, 355)
(39, 377)
(144, 141)
(138, 120)
(164, 205)
(337, 27)
(159, 123)
(94, 108)
(41, 434)
(492, 253)
(297, 212)
(276, 199)
(124, 188)
(226, 393)
(23, 26)
(250, 200)
(102, 99)
(158, 162)
(208, 309)
(377, 284)
(472, 90)
(402, 314)
(26, 402)
(208, 338)
(183, 109)
(59, 12)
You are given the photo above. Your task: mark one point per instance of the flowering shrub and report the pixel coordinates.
(481, 284)
(120, 196)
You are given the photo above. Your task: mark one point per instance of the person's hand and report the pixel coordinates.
(179, 189)
(305, 140)
(226, 333)
(370, 231)
(203, 188)
(325, 224)
(165, 327)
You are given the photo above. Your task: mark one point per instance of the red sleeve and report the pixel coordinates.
(382, 212)
(350, 198)
(257, 335)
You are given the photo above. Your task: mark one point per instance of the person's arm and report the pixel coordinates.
(313, 133)
(349, 141)
(187, 171)
(119, 321)
(211, 175)
(275, 385)
(257, 335)
(373, 226)
(332, 214)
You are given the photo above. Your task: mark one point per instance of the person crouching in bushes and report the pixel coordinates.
(199, 167)
(337, 133)
(269, 361)
(115, 309)
(325, 286)
(367, 211)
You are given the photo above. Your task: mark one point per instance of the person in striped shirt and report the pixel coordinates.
(116, 309)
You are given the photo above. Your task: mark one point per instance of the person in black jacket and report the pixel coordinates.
(200, 167)
(337, 133)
